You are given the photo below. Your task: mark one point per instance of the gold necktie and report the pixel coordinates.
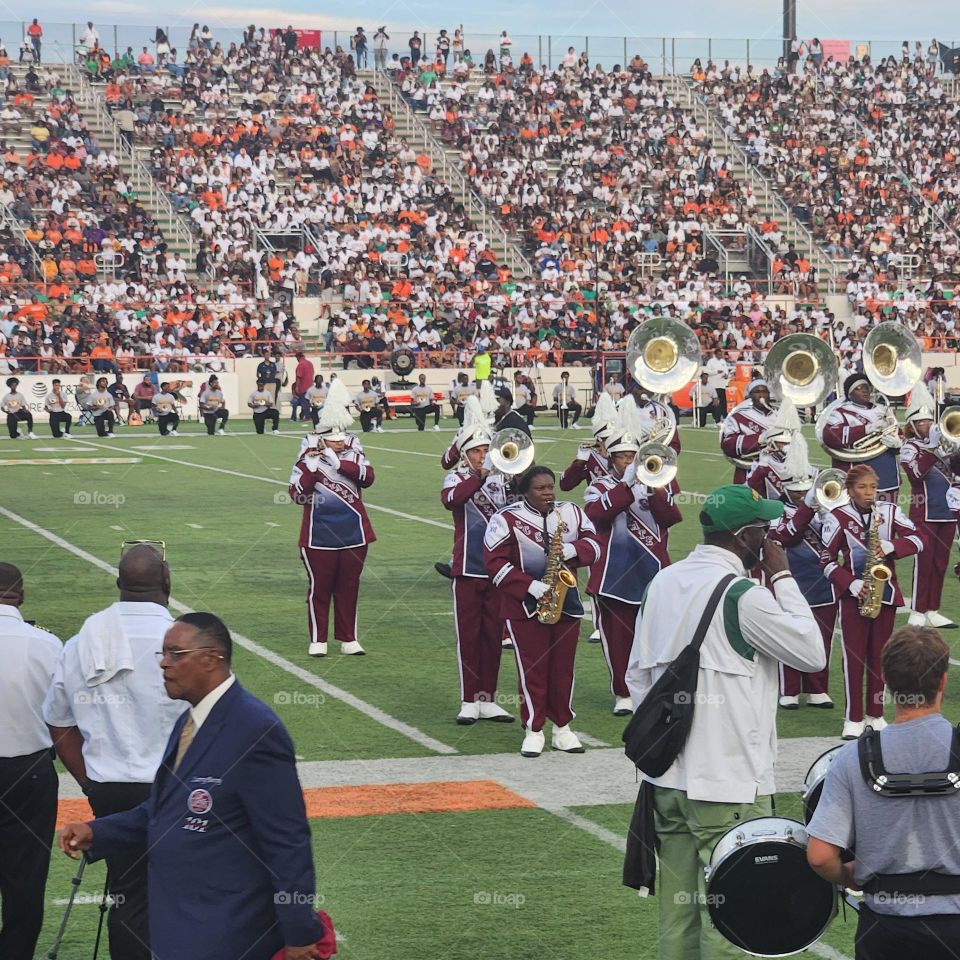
(186, 738)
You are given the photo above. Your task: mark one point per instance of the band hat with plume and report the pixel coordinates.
(786, 423)
(488, 400)
(797, 472)
(604, 414)
(335, 417)
(473, 412)
(476, 435)
(922, 405)
(620, 441)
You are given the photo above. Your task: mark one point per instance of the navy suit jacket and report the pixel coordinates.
(230, 859)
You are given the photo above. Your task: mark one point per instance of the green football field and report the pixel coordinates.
(531, 881)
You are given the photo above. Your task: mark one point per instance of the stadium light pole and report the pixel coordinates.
(789, 25)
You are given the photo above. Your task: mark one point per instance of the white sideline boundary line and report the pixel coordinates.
(336, 693)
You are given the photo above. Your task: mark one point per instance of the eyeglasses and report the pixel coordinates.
(176, 655)
(159, 545)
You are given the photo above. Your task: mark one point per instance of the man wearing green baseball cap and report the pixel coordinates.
(724, 773)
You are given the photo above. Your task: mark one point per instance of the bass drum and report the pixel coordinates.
(813, 782)
(761, 893)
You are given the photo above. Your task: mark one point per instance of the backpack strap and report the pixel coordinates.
(709, 610)
(933, 784)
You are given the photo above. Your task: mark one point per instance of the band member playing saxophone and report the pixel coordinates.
(55, 404)
(14, 405)
(473, 493)
(631, 520)
(264, 408)
(926, 460)
(327, 481)
(868, 534)
(214, 407)
(530, 548)
(165, 410)
(743, 429)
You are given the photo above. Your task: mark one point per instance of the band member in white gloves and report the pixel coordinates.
(14, 405)
(55, 403)
(165, 410)
(264, 408)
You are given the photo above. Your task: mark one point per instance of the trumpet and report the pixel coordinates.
(511, 452)
(656, 465)
(830, 490)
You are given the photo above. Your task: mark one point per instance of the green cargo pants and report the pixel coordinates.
(687, 831)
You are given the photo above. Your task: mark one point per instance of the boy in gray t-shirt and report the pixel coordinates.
(897, 835)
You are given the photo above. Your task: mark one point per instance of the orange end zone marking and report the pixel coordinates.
(376, 800)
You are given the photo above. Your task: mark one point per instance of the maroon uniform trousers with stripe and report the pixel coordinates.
(545, 655)
(863, 643)
(930, 566)
(476, 610)
(793, 682)
(333, 576)
(617, 621)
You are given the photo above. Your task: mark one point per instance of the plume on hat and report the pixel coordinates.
(335, 417)
(922, 405)
(604, 414)
(488, 400)
(796, 465)
(473, 412)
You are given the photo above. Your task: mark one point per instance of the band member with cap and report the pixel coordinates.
(846, 531)
(479, 409)
(592, 460)
(316, 397)
(767, 474)
(100, 404)
(742, 433)
(565, 403)
(460, 389)
(327, 481)
(473, 493)
(367, 401)
(14, 405)
(55, 403)
(799, 532)
(649, 417)
(930, 472)
(630, 519)
(517, 547)
(422, 405)
(264, 408)
(165, 410)
(724, 773)
(214, 407)
(851, 421)
(506, 416)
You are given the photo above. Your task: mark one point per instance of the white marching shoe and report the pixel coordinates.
(436, 428)
(276, 433)
(821, 700)
(352, 648)
(563, 738)
(790, 703)
(595, 637)
(221, 432)
(67, 436)
(623, 707)
(917, 619)
(31, 435)
(469, 713)
(532, 745)
(493, 711)
(173, 433)
(934, 617)
(851, 730)
(317, 649)
(506, 643)
(878, 723)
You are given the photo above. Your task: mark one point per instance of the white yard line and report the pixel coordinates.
(336, 693)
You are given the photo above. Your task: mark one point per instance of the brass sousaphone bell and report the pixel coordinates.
(802, 368)
(663, 355)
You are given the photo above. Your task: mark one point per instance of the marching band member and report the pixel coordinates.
(591, 460)
(14, 405)
(848, 531)
(630, 519)
(930, 474)
(517, 547)
(743, 428)
(55, 403)
(422, 405)
(799, 532)
(367, 401)
(565, 403)
(473, 494)
(648, 416)
(459, 390)
(335, 531)
(766, 476)
(100, 404)
(165, 410)
(614, 387)
(479, 409)
(506, 416)
(524, 399)
(264, 408)
(855, 418)
(214, 407)
(316, 397)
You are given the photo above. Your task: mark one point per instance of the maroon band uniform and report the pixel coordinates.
(515, 555)
(764, 477)
(631, 523)
(473, 500)
(845, 531)
(334, 535)
(742, 431)
(850, 422)
(584, 469)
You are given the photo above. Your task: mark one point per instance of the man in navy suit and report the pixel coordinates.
(230, 863)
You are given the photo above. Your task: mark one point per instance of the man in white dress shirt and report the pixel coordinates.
(28, 780)
(110, 716)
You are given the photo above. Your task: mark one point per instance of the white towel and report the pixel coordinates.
(102, 647)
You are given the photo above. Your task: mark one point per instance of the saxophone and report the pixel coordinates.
(875, 574)
(557, 577)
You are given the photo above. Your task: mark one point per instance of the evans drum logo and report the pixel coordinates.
(772, 858)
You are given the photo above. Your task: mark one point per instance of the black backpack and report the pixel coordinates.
(660, 726)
